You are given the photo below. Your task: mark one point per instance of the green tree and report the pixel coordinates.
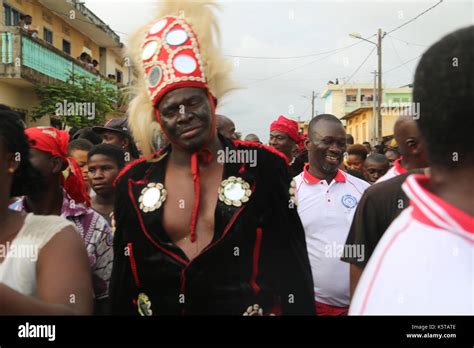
(79, 102)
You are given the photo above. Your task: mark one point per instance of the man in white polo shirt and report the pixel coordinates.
(412, 152)
(326, 198)
(423, 265)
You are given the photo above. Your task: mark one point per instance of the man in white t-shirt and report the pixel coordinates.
(423, 265)
(326, 199)
(413, 155)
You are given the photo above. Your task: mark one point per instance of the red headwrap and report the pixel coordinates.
(301, 145)
(56, 142)
(290, 127)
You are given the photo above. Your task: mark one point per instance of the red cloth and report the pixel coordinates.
(56, 143)
(328, 310)
(301, 145)
(290, 127)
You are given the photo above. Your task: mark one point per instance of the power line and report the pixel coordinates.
(302, 66)
(396, 53)
(415, 18)
(407, 42)
(360, 66)
(304, 112)
(398, 66)
(293, 57)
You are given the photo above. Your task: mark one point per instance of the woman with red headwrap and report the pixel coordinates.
(63, 193)
(32, 281)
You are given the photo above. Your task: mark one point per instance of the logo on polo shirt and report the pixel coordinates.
(349, 201)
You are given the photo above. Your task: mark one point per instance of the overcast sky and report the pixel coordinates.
(271, 87)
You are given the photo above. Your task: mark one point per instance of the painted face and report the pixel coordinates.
(102, 173)
(282, 142)
(186, 118)
(374, 170)
(326, 146)
(355, 162)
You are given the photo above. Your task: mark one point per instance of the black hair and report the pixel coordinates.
(89, 134)
(80, 144)
(349, 139)
(132, 146)
(323, 117)
(358, 150)
(114, 152)
(378, 158)
(366, 143)
(26, 180)
(379, 149)
(444, 90)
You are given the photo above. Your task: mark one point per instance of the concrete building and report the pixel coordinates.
(66, 28)
(360, 123)
(342, 99)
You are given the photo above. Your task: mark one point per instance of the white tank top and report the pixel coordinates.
(18, 269)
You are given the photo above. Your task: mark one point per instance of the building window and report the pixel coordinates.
(48, 36)
(11, 17)
(66, 47)
(351, 98)
(405, 100)
(119, 75)
(396, 100)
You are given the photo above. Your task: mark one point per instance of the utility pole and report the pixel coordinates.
(379, 94)
(380, 36)
(374, 113)
(312, 105)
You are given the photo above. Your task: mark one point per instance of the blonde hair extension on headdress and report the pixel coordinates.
(200, 15)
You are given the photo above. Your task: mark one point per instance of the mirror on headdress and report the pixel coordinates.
(176, 37)
(149, 50)
(154, 76)
(158, 26)
(185, 64)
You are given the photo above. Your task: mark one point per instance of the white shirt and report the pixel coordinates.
(396, 170)
(424, 263)
(19, 268)
(326, 212)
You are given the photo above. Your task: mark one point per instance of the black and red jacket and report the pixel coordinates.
(258, 254)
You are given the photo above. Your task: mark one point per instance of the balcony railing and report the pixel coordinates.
(25, 57)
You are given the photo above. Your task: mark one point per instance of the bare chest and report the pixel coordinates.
(178, 207)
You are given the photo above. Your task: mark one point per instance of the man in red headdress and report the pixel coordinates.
(285, 137)
(63, 193)
(199, 228)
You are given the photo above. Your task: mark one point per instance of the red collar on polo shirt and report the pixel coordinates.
(432, 210)
(398, 166)
(310, 179)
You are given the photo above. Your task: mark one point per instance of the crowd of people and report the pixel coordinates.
(128, 220)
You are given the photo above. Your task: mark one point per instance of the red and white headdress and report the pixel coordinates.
(175, 50)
